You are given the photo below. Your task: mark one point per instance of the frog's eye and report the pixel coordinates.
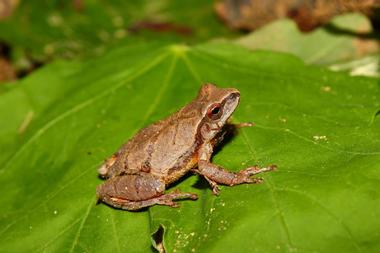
(214, 111)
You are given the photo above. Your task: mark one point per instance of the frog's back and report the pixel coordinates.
(166, 148)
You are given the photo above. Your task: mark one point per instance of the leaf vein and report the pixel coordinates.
(117, 239)
(313, 199)
(275, 201)
(75, 242)
(46, 200)
(43, 247)
(80, 106)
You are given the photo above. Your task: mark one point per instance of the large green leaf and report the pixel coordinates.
(321, 128)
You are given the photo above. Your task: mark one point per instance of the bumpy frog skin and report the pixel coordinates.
(158, 155)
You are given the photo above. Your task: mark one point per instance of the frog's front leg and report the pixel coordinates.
(215, 174)
(133, 192)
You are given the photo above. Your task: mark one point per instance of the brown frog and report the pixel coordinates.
(163, 152)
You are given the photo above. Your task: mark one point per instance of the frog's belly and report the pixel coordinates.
(171, 162)
(176, 172)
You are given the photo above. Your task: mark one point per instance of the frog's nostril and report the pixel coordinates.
(234, 96)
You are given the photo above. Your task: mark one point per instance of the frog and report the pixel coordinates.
(138, 174)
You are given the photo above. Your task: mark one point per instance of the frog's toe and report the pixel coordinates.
(257, 170)
(255, 180)
(166, 200)
(216, 190)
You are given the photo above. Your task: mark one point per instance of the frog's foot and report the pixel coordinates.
(167, 199)
(214, 186)
(244, 176)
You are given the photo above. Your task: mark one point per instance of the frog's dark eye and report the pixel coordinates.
(214, 111)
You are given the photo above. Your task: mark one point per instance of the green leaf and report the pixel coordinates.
(345, 38)
(321, 128)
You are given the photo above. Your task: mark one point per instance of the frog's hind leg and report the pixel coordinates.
(133, 192)
(165, 199)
